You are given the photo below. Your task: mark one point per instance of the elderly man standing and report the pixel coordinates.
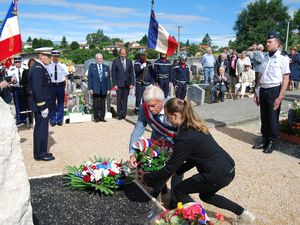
(58, 73)
(99, 86)
(122, 78)
(258, 56)
(273, 83)
(42, 103)
(208, 62)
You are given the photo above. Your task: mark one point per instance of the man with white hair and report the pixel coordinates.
(258, 56)
(151, 113)
(99, 86)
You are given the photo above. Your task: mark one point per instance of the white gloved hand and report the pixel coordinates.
(143, 65)
(45, 113)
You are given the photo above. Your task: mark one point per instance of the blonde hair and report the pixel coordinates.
(189, 120)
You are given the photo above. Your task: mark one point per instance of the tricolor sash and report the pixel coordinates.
(158, 126)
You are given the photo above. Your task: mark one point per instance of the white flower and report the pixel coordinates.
(105, 173)
(84, 173)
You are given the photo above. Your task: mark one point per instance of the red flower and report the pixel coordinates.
(86, 178)
(104, 163)
(219, 216)
(118, 164)
(112, 173)
(93, 167)
(85, 168)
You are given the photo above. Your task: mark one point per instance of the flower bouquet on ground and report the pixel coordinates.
(152, 155)
(102, 175)
(189, 213)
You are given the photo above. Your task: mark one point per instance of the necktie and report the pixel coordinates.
(55, 72)
(100, 72)
(19, 73)
(124, 64)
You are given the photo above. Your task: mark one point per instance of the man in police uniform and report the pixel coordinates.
(162, 70)
(181, 77)
(273, 81)
(58, 73)
(144, 76)
(42, 103)
(15, 72)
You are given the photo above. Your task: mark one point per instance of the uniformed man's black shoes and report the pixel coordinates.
(270, 146)
(259, 146)
(45, 158)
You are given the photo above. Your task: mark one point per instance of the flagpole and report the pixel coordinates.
(152, 4)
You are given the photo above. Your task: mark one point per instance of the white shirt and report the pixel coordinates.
(273, 68)
(13, 71)
(62, 72)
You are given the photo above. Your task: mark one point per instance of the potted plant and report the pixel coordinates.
(290, 128)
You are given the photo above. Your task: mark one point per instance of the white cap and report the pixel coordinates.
(43, 50)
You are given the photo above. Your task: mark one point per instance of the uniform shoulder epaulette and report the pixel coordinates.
(284, 53)
(38, 67)
(11, 69)
(175, 67)
(138, 63)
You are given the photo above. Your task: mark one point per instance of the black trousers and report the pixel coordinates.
(40, 135)
(181, 91)
(269, 117)
(207, 193)
(164, 85)
(139, 91)
(122, 99)
(99, 106)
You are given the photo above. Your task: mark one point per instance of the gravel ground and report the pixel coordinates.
(267, 185)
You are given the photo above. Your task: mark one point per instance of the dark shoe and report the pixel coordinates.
(59, 124)
(270, 147)
(259, 146)
(52, 124)
(97, 121)
(103, 120)
(45, 158)
(119, 118)
(123, 117)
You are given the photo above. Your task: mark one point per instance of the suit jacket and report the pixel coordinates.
(195, 149)
(94, 83)
(219, 64)
(121, 77)
(41, 88)
(217, 80)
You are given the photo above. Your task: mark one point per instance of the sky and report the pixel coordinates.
(129, 19)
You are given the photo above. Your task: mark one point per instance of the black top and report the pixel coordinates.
(195, 149)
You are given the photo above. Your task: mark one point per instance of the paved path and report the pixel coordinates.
(231, 112)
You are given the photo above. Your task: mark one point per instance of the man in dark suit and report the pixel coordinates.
(220, 84)
(42, 103)
(122, 78)
(99, 86)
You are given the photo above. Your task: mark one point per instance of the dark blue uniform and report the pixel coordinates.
(163, 69)
(143, 77)
(181, 78)
(41, 88)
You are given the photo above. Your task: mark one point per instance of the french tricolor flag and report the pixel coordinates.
(10, 36)
(159, 39)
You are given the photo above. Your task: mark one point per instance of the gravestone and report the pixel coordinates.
(15, 206)
(196, 94)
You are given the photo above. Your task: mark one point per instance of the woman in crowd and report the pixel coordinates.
(195, 147)
(295, 68)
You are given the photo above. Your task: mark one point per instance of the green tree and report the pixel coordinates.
(193, 49)
(37, 43)
(206, 40)
(143, 41)
(151, 54)
(295, 24)
(64, 43)
(187, 42)
(96, 38)
(29, 39)
(74, 45)
(259, 18)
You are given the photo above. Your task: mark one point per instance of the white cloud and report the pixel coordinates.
(50, 16)
(180, 17)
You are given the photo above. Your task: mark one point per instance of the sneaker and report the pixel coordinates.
(245, 218)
